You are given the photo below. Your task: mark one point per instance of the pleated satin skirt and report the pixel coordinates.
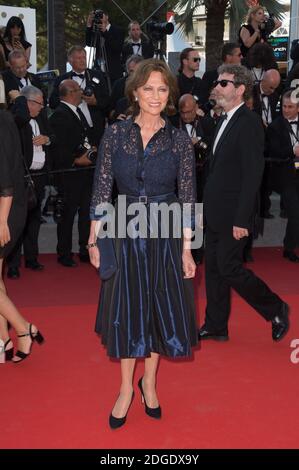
(147, 306)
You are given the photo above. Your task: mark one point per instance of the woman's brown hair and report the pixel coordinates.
(141, 75)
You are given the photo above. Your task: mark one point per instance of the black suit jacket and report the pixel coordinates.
(97, 112)
(278, 140)
(147, 50)
(235, 173)
(11, 82)
(22, 119)
(69, 134)
(257, 103)
(114, 40)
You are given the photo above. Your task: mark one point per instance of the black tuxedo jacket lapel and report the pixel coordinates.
(229, 126)
(74, 115)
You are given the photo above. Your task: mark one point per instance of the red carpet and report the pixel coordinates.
(243, 393)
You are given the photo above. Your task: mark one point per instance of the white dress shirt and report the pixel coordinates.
(224, 124)
(39, 156)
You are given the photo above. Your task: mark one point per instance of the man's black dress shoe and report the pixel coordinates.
(13, 273)
(291, 256)
(203, 333)
(34, 265)
(280, 324)
(66, 261)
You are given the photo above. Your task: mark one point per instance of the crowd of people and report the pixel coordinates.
(228, 140)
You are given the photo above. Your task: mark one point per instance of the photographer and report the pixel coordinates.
(187, 81)
(15, 38)
(136, 44)
(73, 150)
(192, 123)
(257, 29)
(108, 41)
(95, 96)
(36, 138)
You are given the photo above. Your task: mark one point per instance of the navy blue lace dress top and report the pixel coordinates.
(146, 306)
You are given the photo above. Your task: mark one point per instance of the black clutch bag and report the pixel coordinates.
(108, 262)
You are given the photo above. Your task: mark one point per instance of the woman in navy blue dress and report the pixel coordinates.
(147, 307)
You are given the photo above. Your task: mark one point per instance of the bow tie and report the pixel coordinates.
(223, 116)
(294, 122)
(80, 75)
(264, 96)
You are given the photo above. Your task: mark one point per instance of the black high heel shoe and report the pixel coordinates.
(152, 412)
(115, 423)
(8, 353)
(34, 336)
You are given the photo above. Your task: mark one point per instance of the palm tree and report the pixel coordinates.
(216, 11)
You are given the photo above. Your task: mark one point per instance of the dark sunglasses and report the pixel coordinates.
(196, 59)
(223, 83)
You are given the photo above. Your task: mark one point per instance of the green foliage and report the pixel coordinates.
(237, 10)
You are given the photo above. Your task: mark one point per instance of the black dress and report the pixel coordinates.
(12, 178)
(146, 306)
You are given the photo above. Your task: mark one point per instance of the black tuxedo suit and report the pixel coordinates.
(147, 50)
(235, 173)
(114, 40)
(257, 102)
(258, 108)
(29, 237)
(75, 187)
(11, 82)
(97, 112)
(283, 178)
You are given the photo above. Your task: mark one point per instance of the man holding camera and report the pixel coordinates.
(95, 96)
(108, 41)
(74, 152)
(36, 138)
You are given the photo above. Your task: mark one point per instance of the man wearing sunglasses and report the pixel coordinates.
(231, 54)
(235, 173)
(188, 83)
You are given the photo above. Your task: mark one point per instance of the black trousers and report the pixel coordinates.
(76, 191)
(225, 270)
(285, 181)
(29, 237)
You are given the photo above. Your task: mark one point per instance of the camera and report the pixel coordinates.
(87, 149)
(201, 152)
(267, 27)
(88, 90)
(201, 146)
(98, 16)
(159, 30)
(209, 105)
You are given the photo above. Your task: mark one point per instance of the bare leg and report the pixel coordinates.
(9, 313)
(3, 322)
(149, 380)
(126, 389)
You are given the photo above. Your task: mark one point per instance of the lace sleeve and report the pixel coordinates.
(186, 177)
(103, 178)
